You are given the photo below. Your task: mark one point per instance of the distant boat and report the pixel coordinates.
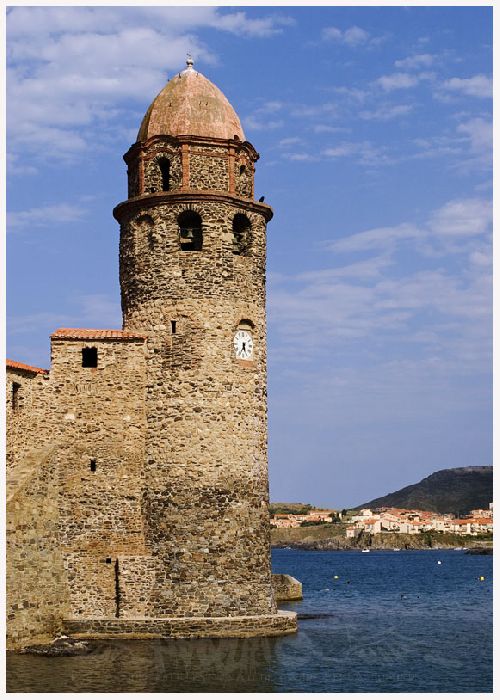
(365, 550)
(396, 549)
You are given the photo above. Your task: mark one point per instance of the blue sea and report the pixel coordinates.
(390, 622)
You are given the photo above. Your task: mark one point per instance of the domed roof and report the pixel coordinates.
(190, 104)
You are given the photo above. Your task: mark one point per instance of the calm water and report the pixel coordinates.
(398, 622)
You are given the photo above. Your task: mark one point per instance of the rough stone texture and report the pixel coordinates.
(283, 622)
(35, 576)
(191, 104)
(141, 488)
(152, 173)
(208, 171)
(286, 587)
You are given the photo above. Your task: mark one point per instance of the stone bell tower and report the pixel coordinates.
(192, 274)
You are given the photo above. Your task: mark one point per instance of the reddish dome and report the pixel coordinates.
(190, 105)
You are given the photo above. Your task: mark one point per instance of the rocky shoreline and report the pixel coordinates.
(333, 546)
(387, 542)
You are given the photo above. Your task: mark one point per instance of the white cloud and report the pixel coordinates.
(45, 216)
(364, 152)
(253, 122)
(328, 129)
(381, 237)
(354, 36)
(422, 60)
(480, 133)
(477, 86)
(386, 112)
(300, 157)
(462, 217)
(72, 70)
(396, 81)
(456, 219)
(291, 141)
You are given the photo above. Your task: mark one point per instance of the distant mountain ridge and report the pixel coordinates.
(458, 491)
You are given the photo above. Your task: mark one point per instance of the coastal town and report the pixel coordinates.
(391, 520)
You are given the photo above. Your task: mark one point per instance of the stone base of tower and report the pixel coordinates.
(281, 623)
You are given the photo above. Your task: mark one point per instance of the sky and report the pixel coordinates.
(374, 129)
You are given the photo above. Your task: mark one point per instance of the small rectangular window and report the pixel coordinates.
(93, 465)
(174, 327)
(89, 357)
(15, 395)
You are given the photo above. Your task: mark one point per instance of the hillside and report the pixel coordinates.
(297, 508)
(446, 491)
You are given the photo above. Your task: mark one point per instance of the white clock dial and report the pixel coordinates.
(243, 345)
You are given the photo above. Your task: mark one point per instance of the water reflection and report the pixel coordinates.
(208, 665)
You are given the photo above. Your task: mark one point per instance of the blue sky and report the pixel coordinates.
(374, 129)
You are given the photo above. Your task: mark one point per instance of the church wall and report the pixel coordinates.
(100, 465)
(244, 179)
(152, 172)
(26, 420)
(206, 447)
(208, 168)
(35, 577)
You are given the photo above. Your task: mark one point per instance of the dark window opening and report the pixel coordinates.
(89, 357)
(164, 164)
(108, 560)
(174, 327)
(190, 233)
(93, 465)
(245, 323)
(242, 169)
(241, 234)
(15, 395)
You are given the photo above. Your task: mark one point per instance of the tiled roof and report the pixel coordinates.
(12, 364)
(96, 334)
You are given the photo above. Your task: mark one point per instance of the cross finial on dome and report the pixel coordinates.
(189, 61)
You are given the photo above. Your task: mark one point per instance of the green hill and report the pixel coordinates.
(447, 491)
(296, 508)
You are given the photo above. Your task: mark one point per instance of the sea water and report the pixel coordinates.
(370, 622)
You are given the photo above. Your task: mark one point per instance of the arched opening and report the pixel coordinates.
(242, 169)
(89, 357)
(241, 234)
(190, 231)
(164, 165)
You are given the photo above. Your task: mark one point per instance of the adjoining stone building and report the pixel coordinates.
(137, 465)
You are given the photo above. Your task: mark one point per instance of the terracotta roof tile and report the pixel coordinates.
(96, 334)
(12, 364)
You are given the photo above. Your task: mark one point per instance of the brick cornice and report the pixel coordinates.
(176, 141)
(130, 206)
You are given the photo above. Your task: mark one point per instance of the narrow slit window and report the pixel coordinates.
(164, 164)
(15, 395)
(89, 357)
(174, 327)
(93, 465)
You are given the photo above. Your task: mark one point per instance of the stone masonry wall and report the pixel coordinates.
(100, 467)
(206, 501)
(27, 429)
(152, 172)
(35, 576)
(208, 168)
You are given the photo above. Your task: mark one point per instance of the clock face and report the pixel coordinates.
(243, 345)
